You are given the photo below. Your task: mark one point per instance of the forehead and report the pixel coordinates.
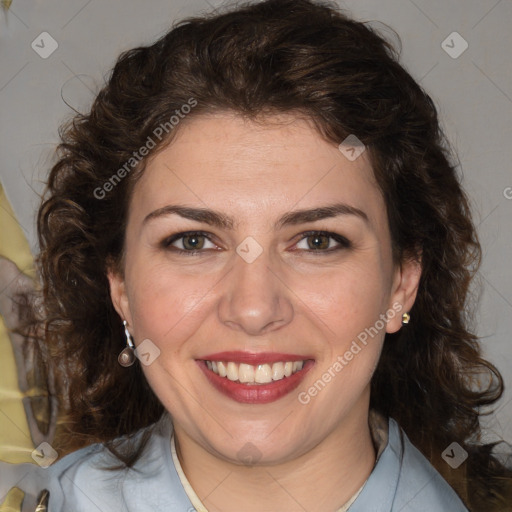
(223, 161)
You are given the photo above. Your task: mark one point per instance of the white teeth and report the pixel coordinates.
(246, 373)
(260, 374)
(277, 371)
(222, 369)
(232, 372)
(263, 374)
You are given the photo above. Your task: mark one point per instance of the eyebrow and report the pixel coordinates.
(292, 218)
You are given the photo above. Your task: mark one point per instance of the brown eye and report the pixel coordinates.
(193, 242)
(188, 242)
(316, 242)
(322, 242)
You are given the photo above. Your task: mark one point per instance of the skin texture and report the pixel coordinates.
(291, 298)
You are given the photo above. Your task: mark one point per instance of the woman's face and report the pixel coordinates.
(263, 249)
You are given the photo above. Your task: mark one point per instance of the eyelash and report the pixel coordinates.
(341, 240)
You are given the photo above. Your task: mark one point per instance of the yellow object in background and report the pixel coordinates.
(15, 441)
(6, 4)
(13, 501)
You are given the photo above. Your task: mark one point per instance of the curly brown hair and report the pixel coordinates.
(276, 56)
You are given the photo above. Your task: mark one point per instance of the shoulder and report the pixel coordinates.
(420, 486)
(79, 482)
(403, 480)
(82, 481)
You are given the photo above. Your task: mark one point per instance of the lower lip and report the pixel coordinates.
(256, 393)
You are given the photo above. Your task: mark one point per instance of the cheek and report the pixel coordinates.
(164, 304)
(354, 333)
(350, 307)
(349, 300)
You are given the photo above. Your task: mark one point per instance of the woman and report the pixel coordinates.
(256, 256)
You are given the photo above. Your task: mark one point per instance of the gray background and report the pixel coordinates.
(473, 93)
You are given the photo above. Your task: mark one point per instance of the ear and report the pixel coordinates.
(405, 288)
(119, 296)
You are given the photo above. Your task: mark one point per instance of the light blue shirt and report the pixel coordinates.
(401, 481)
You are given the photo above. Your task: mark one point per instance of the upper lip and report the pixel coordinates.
(253, 357)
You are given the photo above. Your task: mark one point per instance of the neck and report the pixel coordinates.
(320, 480)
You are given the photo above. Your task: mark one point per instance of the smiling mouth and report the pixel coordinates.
(255, 374)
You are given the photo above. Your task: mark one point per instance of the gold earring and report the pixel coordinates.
(405, 318)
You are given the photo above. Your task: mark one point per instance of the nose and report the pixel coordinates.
(255, 299)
